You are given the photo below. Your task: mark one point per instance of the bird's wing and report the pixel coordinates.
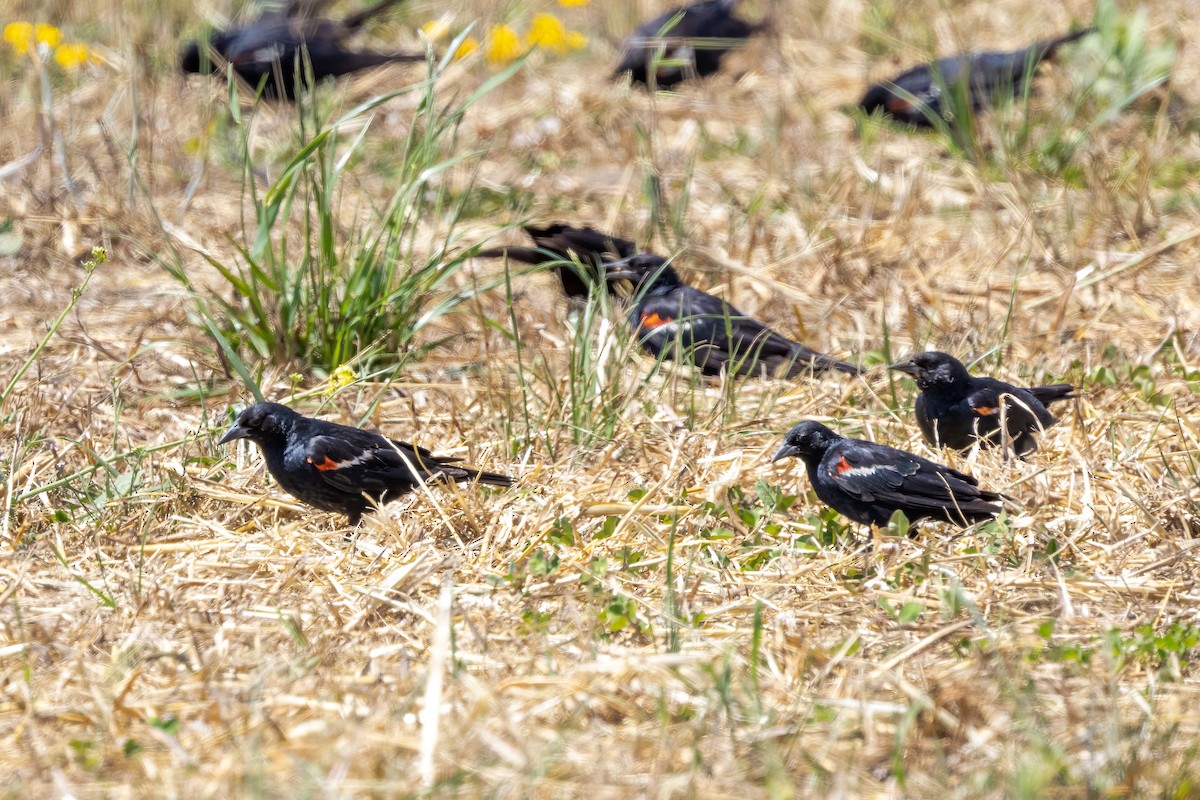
(670, 30)
(661, 317)
(877, 473)
(1023, 410)
(992, 72)
(916, 87)
(261, 44)
(583, 241)
(368, 462)
(716, 321)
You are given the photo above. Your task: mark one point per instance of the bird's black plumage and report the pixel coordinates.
(914, 97)
(673, 320)
(869, 482)
(277, 49)
(685, 42)
(958, 410)
(342, 469)
(578, 255)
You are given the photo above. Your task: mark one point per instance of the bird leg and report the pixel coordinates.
(879, 579)
(888, 546)
(869, 555)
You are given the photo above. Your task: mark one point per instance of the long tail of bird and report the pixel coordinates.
(354, 61)
(807, 360)
(1049, 394)
(1048, 49)
(438, 468)
(355, 21)
(524, 255)
(482, 476)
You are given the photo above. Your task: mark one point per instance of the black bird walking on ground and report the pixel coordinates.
(869, 482)
(562, 246)
(270, 50)
(685, 42)
(957, 410)
(915, 97)
(674, 320)
(342, 469)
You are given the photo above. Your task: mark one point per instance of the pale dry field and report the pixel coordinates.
(641, 616)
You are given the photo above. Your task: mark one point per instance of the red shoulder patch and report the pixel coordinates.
(652, 320)
(897, 104)
(843, 466)
(326, 463)
(984, 411)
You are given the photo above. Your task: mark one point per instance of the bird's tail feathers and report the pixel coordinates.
(369, 59)
(819, 362)
(1049, 47)
(483, 476)
(1049, 394)
(356, 20)
(525, 255)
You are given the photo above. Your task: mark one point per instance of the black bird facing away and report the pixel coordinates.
(562, 246)
(915, 97)
(685, 42)
(869, 482)
(675, 321)
(958, 410)
(271, 50)
(342, 469)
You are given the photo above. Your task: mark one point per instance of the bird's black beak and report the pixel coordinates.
(235, 433)
(786, 451)
(907, 367)
(618, 270)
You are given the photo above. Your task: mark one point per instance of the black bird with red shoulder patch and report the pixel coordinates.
(683, 43)
(578, 255)
(870, 482)
(342, 469)
(270, 50)
(674, 320)
(957, 410)
(915, 97)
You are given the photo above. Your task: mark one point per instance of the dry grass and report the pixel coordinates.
(173, 624)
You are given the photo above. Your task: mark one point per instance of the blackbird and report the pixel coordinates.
(578, 255)
(685, 42)
(674, 320)
(342, 469)
(869, 482)
(270, 50)
(958, 410)
(914, 97)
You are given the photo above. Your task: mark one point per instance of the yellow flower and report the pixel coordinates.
(504, 45)
(47, 35)
(546, 31)
(342, 377)
(469, 45)
(576, 40)
(572, 3)
(72, 55)
(20, 36)
(436, 28)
